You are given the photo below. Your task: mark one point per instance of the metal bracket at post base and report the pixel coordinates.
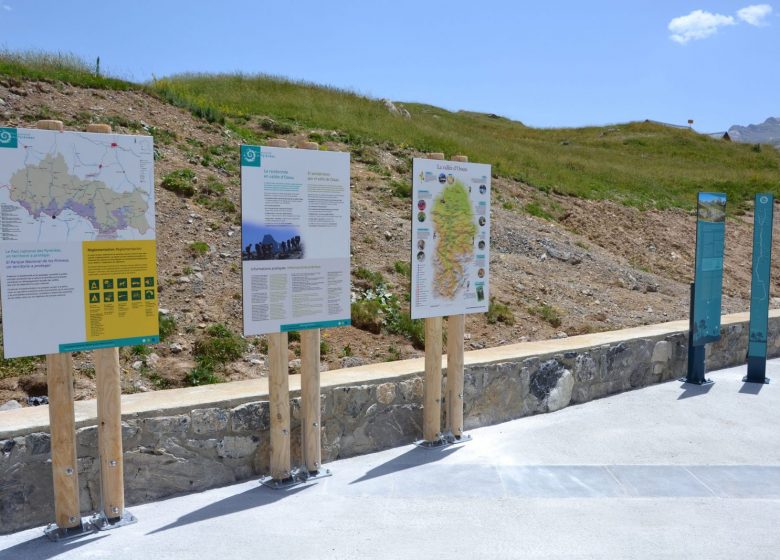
(104, 523)
(297, 476)
(55, 533)
(443, 440)
(756, 370)
(696, 367)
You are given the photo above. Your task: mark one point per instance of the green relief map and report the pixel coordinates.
(453, 219)
(47, 189)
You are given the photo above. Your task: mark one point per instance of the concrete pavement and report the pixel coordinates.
(668, 471)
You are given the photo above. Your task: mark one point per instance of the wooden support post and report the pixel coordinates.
(311, 421)
(432, 385)
(454, 392)
(310, 399)
(62, 422)
(279, 393)
(109, 413)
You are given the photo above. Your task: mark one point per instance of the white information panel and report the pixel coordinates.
(450, 238)
(295, 239)
(77, 241)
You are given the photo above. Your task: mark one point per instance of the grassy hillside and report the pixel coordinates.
(640, 164)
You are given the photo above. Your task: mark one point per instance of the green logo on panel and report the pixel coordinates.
(149, 294)
(121, 296)
(94, 285)
(108, 297)
(94, 298)
(250, 156)
(108, 284)
(135, 282)
(121, 283)
(149, 282)
(136, 295)
(8, 138)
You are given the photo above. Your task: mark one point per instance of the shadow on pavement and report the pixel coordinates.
(41, 548)
(693, 390)
(415, 457)
(256, 497)
(751, 388)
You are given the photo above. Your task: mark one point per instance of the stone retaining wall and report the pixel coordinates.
(175, 450)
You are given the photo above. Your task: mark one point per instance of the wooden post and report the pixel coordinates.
(310, 388)
(279, 393)
(456, 326)
(62, 422)
(432, 385)
(108, 379)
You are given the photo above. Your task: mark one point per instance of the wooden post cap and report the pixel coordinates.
(436, 155)
(462, 159)
(277, 143)
(309, 146)
(99, 127)
(50, 125)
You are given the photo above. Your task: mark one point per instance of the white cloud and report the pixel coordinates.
(697, 25)
(755, 15)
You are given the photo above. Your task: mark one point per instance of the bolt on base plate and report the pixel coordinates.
(55, 533)
(103, 523)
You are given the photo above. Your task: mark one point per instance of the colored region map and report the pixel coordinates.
(453, 220)
(75, 187)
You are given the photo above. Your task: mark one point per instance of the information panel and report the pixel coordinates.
(295, 239)
(77, 249)
(450, 238)
(708, 283)
(759, 287)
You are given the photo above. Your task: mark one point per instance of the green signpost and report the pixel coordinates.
(759, 288)
(706, 291)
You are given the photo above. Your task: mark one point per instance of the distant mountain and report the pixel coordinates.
(767, 132)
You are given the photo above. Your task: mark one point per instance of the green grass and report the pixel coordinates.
(403, 268)
(58, 67)
(167, 325)
(641, 164)
(499, 313)
(181, 182)
(547, 313)
(202, 374)
(218, 346)
(199, 248)
(373, 279)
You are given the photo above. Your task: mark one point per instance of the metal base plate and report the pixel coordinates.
(103, 523)
(746, 380)
(444, 440)
(297, 476)
(705, 382)
(55, 533)
(314, 475)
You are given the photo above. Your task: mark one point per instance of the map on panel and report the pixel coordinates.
(453, 219)
(450, 238)
(77, 241)
(90, 187)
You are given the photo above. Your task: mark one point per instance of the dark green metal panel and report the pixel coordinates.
(710, 238)
(759, 286)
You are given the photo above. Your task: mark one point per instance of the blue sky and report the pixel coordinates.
(554, 63)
